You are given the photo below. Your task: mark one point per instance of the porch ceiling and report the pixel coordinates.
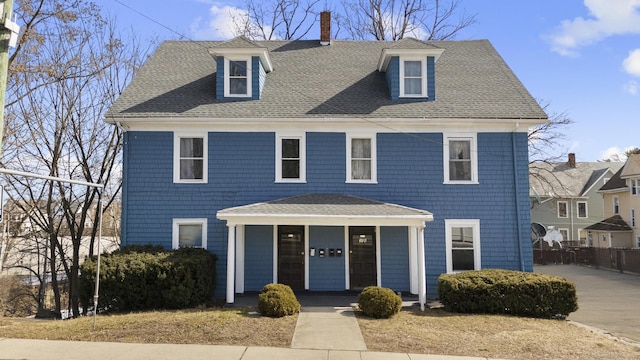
(325, 209)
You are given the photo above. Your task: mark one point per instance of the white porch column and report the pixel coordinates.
(413, 259)
(422, 282)
(231, 257)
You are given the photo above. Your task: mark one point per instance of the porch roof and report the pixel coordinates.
(614, 223)
(327, 209)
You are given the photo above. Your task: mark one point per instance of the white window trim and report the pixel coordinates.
(374, 161)
(634, 184)
(302, 136)
(616, 205)
(193, 221)
(176, 157)
(632, 214)
(423, 66)
(475, 225)
(566, 230)
(586, 209)
(473, 137)
(227, 73)
(566, 203)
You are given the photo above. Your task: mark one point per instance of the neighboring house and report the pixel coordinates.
(565, 196)
(620, 227)
(329, 165)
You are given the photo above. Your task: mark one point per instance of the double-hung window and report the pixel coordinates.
(290, 157)
(563, 209)
(463, 244)
(189, 233)
(460, 159)
(582, 209)
(413, 79)
(237, 80)
(190, 158)
(361, 158)
(616, 205)
(635, 187)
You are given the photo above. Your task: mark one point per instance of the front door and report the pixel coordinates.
(362, 256)
(291, 256)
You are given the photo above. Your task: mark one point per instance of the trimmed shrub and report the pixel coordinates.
(277, 300)
(507, 292)
(379, 302)
(145, 278)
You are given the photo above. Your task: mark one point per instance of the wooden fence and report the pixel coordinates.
(621, 259)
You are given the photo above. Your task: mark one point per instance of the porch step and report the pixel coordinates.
(331, 328)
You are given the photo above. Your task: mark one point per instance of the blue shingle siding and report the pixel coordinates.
(258, 257)
(393, 77)
(326, 273)
(256, 78)
(219, 78)
(431, 77)
(394, 257)
(410, 173)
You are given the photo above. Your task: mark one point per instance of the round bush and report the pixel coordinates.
(277, 300)
(379, 302)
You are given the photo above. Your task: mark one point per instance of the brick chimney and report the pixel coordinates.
(325, 28)
(572, 160)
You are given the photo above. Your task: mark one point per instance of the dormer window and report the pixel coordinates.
(237, 80)
(413, 82)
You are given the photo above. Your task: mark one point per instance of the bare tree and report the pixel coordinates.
(545, 141)
(393, 20)
(67, 71)
(276, 19)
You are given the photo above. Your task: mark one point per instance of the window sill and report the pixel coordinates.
(292, 181)
(361, 182)
(461, 183)
(191, 182)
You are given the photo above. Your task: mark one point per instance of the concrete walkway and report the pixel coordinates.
(331, 328)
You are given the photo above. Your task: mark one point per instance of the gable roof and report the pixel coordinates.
(337, 81)
(562, 180)
(614, 223)
(616, 183)
(631, 167)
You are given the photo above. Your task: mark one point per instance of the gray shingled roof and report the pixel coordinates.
(339, 80)
(614, 223)
(615, 183)
(562, 180)
(325, 205)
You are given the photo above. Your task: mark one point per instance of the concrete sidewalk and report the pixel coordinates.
(77, 350)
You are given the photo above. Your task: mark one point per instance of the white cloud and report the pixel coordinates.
(220, 23)
(614, 153)
(632, 63)
(606, 18)
(631, 87)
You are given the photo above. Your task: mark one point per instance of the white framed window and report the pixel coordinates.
(564, 233)
(635, 187)
(291, 157)
(413, 77)
(237, 76)
(582, 209)
(361, 158)
(460, 159)
(463, 244)
(189, 233)
(638, 241)
(190, 158)
(633, 218)
(616, 205)
(563, 209)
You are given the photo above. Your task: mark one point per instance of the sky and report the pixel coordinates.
(580, 57)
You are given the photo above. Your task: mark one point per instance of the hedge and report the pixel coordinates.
(507, 292)
(379, 302)
(148, 277)
(277, 300)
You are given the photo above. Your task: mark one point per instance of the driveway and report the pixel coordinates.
(608, 300)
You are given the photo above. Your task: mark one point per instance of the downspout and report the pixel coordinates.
(517, 198)
(125, 187)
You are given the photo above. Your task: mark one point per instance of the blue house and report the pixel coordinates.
(329, 165)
